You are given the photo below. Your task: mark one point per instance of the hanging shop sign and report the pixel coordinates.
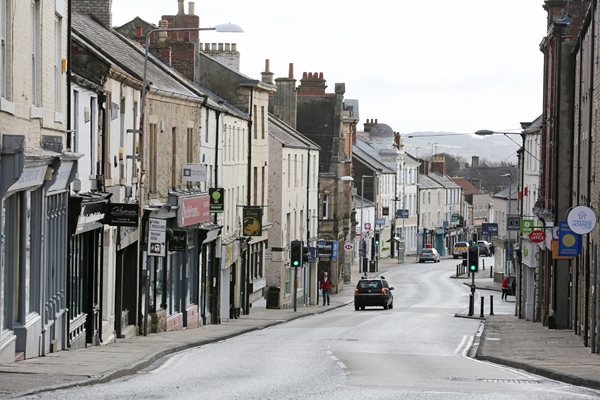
(581, 219)
(253, 221)
(569, 242)
(527, 226)
(122, 214)
(537, 236)
(217, 199)
(489, 228)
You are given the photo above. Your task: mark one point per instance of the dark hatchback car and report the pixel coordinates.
(373, 292)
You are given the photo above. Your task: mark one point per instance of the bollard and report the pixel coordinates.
(457, 271)
(491, 270)
(482, 302)
(471, 305)
(491, 304)
(483, 261)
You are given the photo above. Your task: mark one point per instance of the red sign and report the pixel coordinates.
(537, 236)
(193, 210)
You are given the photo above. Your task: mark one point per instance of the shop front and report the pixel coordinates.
(33, 250)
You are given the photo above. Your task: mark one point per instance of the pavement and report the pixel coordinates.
(507, 340)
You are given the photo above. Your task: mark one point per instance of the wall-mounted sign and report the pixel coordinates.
(367, 226)
(385, 211)
(581, 219)
(193, 173)
(122, 214)
(177, 240)
(157, 237)
(193, 210)
(327, 249)
(380, 221)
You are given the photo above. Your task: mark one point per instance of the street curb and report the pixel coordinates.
(141, 364)
(558, 376)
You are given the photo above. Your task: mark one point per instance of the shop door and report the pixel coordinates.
(125, 289)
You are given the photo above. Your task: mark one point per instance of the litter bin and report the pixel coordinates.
(372, 266)
(273, 297)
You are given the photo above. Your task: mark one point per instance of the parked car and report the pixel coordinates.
(373, 292)
(429, 254)
(484, 248)
(484, 251)
(460, 249)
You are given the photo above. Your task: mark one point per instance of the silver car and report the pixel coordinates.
(429, 254)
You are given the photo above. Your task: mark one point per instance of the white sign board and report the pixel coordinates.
(581, 219)
(193, 173)
(157, 237)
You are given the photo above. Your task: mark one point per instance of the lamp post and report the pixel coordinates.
(363, 246)
(142, 146)
(508, 249)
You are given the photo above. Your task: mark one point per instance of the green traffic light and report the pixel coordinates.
(472, 268)
(296, 263)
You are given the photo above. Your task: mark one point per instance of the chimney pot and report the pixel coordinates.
(291, 71)
(320, 75)
(227, 47)
(191, 8)
(233, 47)
(304, 75)
(180, 7)
(267, 65)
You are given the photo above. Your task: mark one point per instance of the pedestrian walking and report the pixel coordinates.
(504, 288)
(325, 287)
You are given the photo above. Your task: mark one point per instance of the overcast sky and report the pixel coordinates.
(416, 65)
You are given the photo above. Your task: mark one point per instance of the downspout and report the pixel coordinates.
(577, 188)
(100, 168)
(215, 278)
(307, 300)
(246, 266)
(588, 289)
(69, 114)
(556, 169)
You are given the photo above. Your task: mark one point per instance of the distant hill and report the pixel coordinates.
(496, 148)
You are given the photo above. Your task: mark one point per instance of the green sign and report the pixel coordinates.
(217, 199)
(527, 226)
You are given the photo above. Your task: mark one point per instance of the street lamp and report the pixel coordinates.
(229, 27)
(487, 132)
(363, 246)
(507, 264)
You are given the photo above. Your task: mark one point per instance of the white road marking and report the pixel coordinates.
(460, 344)
(342, 365)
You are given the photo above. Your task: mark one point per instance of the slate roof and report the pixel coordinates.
(129, 56)
(370, 157)
(425, 182)
(444, 180)
(288, 136)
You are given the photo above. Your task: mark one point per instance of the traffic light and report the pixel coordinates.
(376, 238)
(296, 254)
(473, 259)
(305, 255)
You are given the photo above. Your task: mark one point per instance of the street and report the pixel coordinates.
(417, 350)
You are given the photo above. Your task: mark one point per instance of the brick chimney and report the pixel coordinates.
(475, 161)
(369, 125)
(284, 102)
(438, 164)
(100, 10)
(267, 75)
(312, 84)
(424, 167)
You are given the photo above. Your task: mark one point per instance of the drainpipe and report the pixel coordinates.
(69, 14)
(588, 289)
(214, 312)
(246, 266)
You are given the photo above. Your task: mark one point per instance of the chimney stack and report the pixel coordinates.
(100, 10)
(267, 75)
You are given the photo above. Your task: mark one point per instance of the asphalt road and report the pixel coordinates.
(418, 350)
